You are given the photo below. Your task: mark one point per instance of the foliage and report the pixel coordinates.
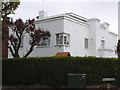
(53, 71)
(21, 29)
(8, 7)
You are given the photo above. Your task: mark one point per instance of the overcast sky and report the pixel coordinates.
(105, 10)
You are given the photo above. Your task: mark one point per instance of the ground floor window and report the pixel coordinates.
(86, 42)
(102, 43)
(62, 39)
(44, 41)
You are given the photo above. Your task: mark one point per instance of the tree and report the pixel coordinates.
(6, 7)
(118, 48)
(20, 29)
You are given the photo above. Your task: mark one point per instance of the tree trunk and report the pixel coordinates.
(118, 48)
(30, 50)
(5, 33)
(16, 54)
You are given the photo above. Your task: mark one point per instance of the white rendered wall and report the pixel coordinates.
(78, 32)
(97, 33)
(110, 41)
(119, 20)
(92, 35)
(54, 26)
(101, 35)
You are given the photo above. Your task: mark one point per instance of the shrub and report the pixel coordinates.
(52, 71)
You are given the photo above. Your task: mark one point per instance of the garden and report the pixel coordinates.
(53, 71)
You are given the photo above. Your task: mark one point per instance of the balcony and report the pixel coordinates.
(102, 52)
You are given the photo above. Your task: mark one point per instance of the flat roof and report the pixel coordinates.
(113, 33)
(72, 15)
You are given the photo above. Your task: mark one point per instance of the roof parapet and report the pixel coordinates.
(94, 19)
(106, 24)
(76, 16)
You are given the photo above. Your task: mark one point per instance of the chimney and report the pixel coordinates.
(42, 14)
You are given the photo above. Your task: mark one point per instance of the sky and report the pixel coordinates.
(105, 10)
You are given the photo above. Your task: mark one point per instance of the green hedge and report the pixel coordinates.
(52, 71)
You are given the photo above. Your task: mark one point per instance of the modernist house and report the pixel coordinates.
(75, 34)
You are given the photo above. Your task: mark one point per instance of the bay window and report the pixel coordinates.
(62, 39)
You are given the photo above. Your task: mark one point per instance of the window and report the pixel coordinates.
(62, 39)
(44, 41)
(57, 39)
(102, 43)
(65, 40)
(86, 42)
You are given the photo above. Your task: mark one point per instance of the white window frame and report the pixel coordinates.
(103, 44)
(86, 43)
(62, 39)
(44, 41)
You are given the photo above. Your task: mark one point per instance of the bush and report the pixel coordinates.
(52, 71)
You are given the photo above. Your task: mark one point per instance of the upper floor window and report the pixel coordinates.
(62, 39)
(86, 42)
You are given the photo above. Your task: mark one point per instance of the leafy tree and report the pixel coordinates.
(6, 7)
(20, 29)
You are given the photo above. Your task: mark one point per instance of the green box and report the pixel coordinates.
(76, 81)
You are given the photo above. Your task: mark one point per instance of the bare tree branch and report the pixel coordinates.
(21, 29)
(11, 50)
(31, 46)
(19, 42)
(12, 44)
(30, 50)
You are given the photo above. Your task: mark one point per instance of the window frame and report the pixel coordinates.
(86, 43)
(62, 39)
(44, 41)
(103, 43)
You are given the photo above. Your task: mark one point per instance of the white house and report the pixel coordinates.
(75, 34)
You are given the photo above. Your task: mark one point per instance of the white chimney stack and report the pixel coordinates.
(42, 14)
